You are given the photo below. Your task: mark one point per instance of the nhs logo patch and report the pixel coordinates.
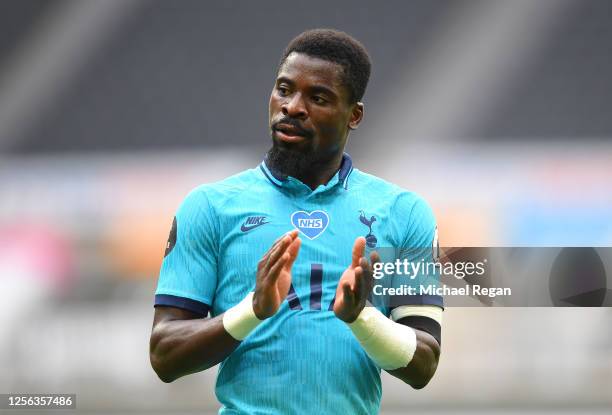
(310, 224)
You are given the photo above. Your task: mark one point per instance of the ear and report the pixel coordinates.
(356, 116)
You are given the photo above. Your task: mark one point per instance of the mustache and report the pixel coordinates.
(295, 124)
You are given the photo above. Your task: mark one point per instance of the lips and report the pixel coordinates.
(290, 133)
(290, 129)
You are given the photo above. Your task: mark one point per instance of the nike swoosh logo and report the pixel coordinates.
(244, 228)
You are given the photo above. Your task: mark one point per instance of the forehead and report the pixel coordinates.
(301, 68)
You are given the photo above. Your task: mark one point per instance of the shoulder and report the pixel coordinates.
(402, 202)
(215, 195)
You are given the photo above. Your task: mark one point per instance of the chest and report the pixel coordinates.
(327, 227)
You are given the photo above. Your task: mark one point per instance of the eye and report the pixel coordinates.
(319, 99)
(282, 90)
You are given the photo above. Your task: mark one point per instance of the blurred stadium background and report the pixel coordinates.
(498, 112)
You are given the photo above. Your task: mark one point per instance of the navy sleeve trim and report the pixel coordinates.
(401, 300)
(182, 302)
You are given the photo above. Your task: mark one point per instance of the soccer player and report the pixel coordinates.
(266, 272)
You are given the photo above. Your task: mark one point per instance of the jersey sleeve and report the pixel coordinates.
(188, 275)
(419, 245)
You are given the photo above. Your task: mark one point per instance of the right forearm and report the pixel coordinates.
(181, 347)
(183, 343)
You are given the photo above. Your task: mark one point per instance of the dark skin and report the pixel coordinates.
(310, 111)
(183, 343)
(309, 92)
(353, 289)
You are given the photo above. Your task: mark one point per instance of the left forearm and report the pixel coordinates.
(407, 353)
(424, 363)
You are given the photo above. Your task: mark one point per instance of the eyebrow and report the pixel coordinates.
(315, 88)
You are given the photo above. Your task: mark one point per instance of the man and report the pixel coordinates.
(288, 317)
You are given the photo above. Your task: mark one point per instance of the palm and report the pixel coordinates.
(274, 275)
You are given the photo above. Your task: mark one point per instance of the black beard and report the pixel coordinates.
(286, 162)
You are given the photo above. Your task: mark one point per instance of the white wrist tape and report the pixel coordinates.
(240, 320)
(390, 345)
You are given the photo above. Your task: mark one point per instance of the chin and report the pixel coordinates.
(303, 147)
(291, 159)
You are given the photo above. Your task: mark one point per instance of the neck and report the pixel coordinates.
(309, 169)
(322, 173)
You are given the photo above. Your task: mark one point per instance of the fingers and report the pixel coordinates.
(374, 257)
(347, 294)
(278, 251)
(291, 234)
(368, 280)
(293, 250)
(278, 248)
(363, 276)
(359, 282)
(274, 271)
(358, 251)
(284, 255)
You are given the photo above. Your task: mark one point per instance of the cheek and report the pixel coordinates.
(273, 105)
(328, 130)
(330, 135)
(331, 127)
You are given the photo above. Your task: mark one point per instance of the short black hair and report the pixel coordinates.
(338, 47)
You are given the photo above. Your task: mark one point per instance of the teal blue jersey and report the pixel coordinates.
(303, 359)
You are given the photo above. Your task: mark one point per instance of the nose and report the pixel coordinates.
(294, 107)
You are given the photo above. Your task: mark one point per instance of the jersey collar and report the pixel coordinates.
(340, 178)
